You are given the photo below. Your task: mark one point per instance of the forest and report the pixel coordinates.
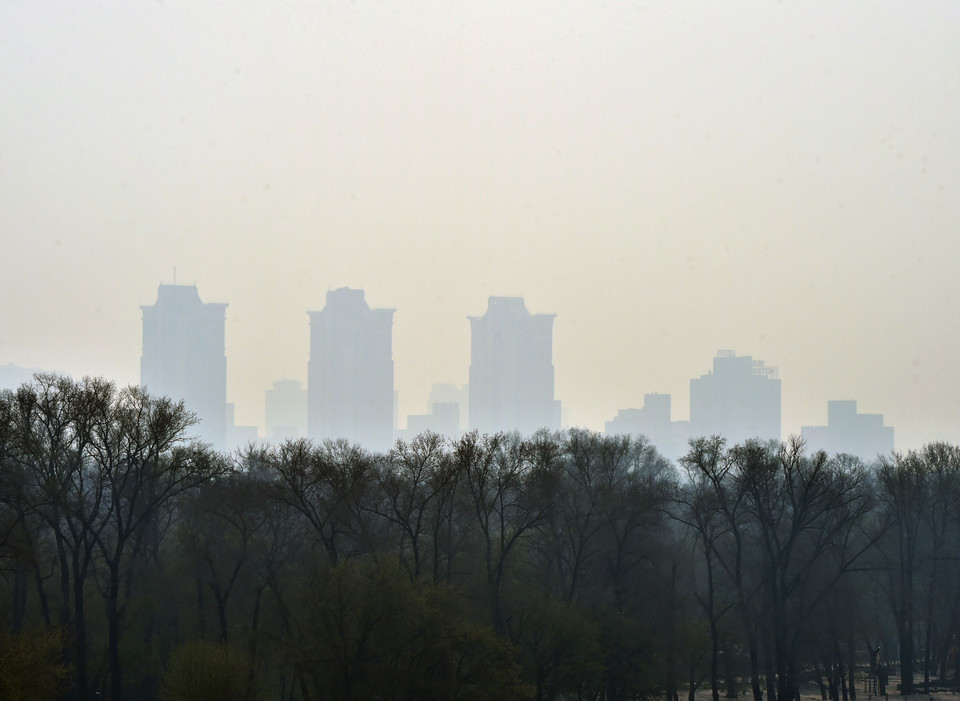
(137, 563)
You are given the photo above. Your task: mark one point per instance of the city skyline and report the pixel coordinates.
(670, 179)
(342, 347)
(350, 394)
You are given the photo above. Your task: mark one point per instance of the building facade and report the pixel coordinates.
(183, 356)
(350, 373)
(511, 369)
(653, 421)
(285, 410)
(862, 435)
(739, 399)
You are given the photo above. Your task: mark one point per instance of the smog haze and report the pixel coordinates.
(669, 179)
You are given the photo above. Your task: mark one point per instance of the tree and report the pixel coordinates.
(560, 645)
(54, 426)
(414, 489)
(329, 486)
(219, 523)
(369, 631)
(509, 498)
(700, 511)
(808, 513)
(905, 494)
(205, 671)
(30, 668)
(141, 457)
(941, 462)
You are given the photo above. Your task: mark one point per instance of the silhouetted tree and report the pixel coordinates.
(140, 456)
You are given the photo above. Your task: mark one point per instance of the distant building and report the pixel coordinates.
(183, 356)
(863, 435)
(449, 393)
(653, 421)
(350, 373)
(511, 369)
(444, 419)
(239, 437)
(739, 399)
(285, 410)
(446, 405)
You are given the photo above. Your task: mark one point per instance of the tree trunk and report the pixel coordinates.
(221, 615)
(113, 634)
(19, 597)
(771, 674)
(851, 666)
(201, 608)
(928, 635)
(730, 675)
(754, 668)
(842, 679)
(254, 629)
(819, 675)
(714, 635)
(906, 658)
(42, 595)
(80, 634)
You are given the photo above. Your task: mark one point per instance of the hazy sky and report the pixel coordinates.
(669, 178)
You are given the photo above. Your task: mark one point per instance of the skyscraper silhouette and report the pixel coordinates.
(183, 356)
(350, 373)
(653, 421)
(740, 399)
(511, 369)
(848, 431)
(285, 410)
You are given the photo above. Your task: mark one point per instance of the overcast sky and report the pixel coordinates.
(669, 178)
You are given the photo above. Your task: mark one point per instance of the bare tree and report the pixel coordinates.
(508, 496)
(142, 460)
(808, 512)
(329, 485)
(413, 487)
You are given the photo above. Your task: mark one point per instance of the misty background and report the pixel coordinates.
(668, 178)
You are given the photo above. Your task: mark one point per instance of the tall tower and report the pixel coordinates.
(740, 399)
(183, 356)
(511, 369)
(350, 373)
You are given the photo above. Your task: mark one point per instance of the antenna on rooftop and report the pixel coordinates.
(174, 275)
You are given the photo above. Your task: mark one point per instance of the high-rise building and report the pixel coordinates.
(350, 373)
(183, 356)
(511, 369)
(286, 410)
(653, 421)
(239, 437)
(863, 435)
(739, 399)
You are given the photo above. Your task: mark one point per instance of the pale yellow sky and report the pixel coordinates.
(668, 178)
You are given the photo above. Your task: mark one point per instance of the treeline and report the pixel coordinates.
(138, 564)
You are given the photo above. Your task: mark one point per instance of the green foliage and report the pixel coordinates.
(371, 632)
(30, 667)
(203, 671)
(560, 646)
(632, 656)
